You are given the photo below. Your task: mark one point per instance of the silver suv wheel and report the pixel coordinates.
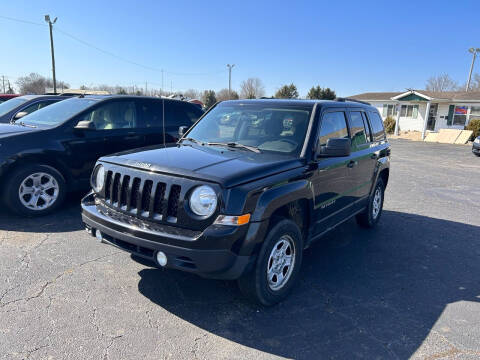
(38, 191)
(281, 263)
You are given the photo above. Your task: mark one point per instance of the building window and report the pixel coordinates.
(474, 113)
(388, 110)
(460, 115)
(410, 111)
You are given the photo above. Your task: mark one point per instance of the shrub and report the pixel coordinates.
(474, 125)
(389, 125)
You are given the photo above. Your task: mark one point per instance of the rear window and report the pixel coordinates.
(378, 133)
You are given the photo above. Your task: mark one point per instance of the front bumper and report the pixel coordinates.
(213, 253)
(476, 149)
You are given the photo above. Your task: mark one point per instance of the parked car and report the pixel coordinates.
(476, 146)
(245, 191)
(53, 150)
(14, 109)
(5, 97)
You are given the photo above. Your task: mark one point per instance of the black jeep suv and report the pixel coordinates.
(248, 187)
(53, 150)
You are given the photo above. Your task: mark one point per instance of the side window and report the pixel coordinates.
(334, 125)
(367, 127)
(31, 108)
(45, 103)
(179, 114)
(378, 133)
(113, 115)
(152, 112)
(357, 130)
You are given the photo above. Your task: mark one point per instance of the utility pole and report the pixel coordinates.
(474, 52)
(162, 82)
(50, 24)
(230, 79)
(3, 83)
(145, 88)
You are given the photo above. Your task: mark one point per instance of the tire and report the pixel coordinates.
(47, 184)
(255, 284)
(371, 216)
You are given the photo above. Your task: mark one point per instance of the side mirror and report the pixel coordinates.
(182, 130)
(20, 115)
(335, 148)
(85, 125)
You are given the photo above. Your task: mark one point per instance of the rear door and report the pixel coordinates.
(151, 113)
(361, 167)
(330, 181)
(179, 113)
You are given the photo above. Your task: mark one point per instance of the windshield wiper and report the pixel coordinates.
(21, 123)
(190, 139)
(236, 145)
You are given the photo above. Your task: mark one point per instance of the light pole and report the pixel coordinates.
(230, 79)
(473, 51)
(50, 24)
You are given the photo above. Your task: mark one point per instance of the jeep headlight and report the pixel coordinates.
(203, 201)
(98, 178)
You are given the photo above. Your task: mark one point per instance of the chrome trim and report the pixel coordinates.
(135, 224)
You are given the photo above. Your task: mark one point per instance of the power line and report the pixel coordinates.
(106, 52)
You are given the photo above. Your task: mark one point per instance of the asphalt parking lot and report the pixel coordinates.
(409, 288)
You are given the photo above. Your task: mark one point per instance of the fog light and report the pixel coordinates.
(161, 258)
(98, 235)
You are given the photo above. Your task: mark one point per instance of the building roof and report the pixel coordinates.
(428, 95)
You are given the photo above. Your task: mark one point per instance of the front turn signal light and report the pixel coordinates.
(232, 220)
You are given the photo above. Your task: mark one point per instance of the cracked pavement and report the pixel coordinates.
(408, 289)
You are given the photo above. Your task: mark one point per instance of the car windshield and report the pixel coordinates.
(57, 113)
(260, 126)
(11, 104)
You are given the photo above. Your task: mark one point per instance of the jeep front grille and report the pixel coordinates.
(142, 197)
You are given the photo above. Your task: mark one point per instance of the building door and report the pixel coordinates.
(432, 117)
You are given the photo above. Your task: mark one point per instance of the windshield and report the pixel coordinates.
(57, 113)
(11, 104)
(277, 128)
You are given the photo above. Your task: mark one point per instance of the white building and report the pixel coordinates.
(422, 110)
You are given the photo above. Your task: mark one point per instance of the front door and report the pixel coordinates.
(432, 117)
(330, 180)
(116, 129)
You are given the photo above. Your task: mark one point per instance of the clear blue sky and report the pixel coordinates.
(350, 46)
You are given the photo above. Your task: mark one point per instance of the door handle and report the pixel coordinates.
(352, 163)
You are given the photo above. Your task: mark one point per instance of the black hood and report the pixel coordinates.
(8, 129)
(228, 167)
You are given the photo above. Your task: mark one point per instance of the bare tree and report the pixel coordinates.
(252, 88)
(192, 94)
(37, 84)
(224, 95)
(441, 83)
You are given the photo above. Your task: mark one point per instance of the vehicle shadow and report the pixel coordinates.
(363, 293)
(66, 218)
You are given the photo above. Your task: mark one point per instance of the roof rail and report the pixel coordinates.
(353, 100)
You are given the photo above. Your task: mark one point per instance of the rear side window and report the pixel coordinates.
(357, 129)
(180, 114)
(151, 112)
(378, 133)
(334, 125)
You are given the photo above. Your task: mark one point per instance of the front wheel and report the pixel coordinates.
(277, 267)
(34, 190)
(370, 217)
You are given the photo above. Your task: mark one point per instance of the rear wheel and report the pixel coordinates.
(371, 216)
(34, 190)
(277, 267)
